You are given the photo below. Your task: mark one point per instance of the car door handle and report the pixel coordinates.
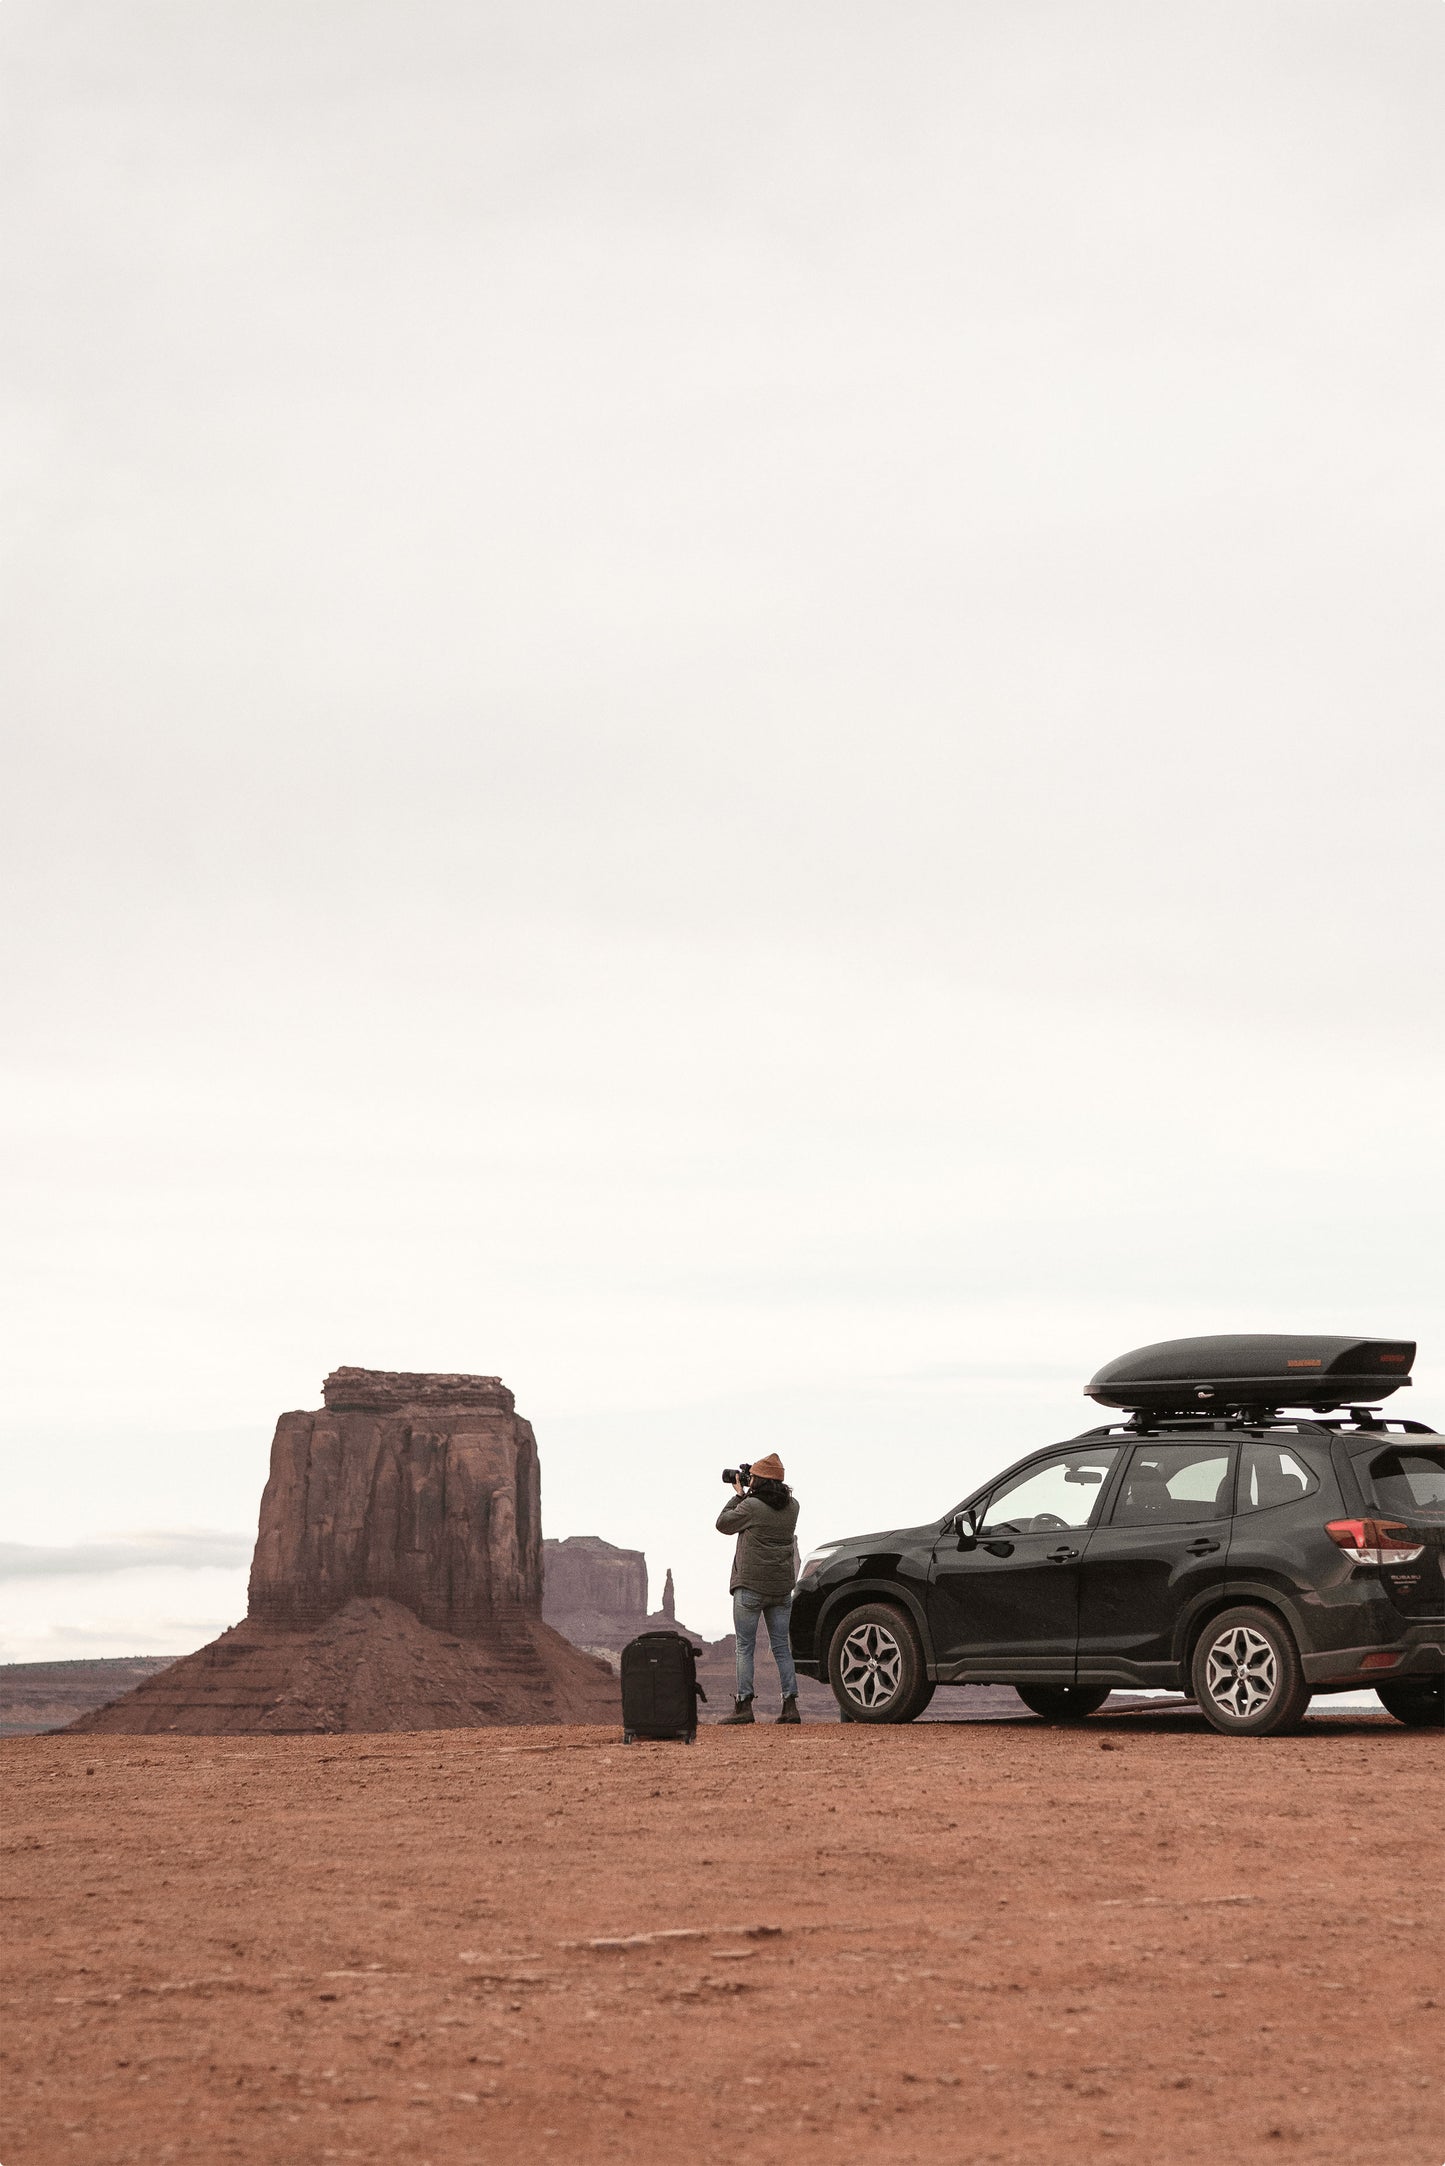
(1202, 1547)
(1060, 1556)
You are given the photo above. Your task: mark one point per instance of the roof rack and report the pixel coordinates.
(1363, 1422)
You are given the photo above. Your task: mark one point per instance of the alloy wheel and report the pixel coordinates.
(1243, 1672)
(871, 1665)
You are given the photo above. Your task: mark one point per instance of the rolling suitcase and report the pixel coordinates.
(660, 1690)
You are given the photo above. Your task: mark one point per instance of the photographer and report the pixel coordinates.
(763, 1515)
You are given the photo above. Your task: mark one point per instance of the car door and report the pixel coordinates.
(1006, 1606)
(1165, 1542)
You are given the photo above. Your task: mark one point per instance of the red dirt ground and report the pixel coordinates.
(1131, 1941)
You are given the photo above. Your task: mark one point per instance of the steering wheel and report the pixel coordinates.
(1049, 1520)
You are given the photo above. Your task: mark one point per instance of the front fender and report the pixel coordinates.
(852, 1595)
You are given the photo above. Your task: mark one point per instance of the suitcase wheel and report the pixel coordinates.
(627, 1737)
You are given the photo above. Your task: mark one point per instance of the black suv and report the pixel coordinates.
(1210, 1544)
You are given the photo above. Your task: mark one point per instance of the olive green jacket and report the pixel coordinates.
(766, 1558)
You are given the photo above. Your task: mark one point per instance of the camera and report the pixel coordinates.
(737, 1474)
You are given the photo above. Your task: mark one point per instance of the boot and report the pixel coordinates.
(790, 1709)
(742, 1712)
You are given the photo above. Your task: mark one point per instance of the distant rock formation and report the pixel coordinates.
(585, 1573)
(40, 1696)
(596, 1595)
(396, 1582)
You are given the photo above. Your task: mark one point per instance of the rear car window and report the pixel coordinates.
(1168, 1485)
(1406, 1478)
(1271, 1474)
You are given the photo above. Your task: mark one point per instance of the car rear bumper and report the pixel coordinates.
(1421, 1651)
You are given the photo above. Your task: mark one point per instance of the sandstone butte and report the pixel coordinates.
(585, 1576)
(396, 1582)
(596, 1596)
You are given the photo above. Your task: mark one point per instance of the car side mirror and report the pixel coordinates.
(965, 1526)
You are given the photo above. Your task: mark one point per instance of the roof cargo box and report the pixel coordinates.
(1253, 1370)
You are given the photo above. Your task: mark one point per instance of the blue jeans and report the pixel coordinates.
(747, 1609)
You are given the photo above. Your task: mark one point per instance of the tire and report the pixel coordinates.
(1063, 1703)
(876, 1667)
(1247, 1676)
(1419, 1702)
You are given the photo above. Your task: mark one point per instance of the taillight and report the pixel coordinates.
(1374, 1541)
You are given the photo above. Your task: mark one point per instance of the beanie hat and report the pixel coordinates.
(769, 1469)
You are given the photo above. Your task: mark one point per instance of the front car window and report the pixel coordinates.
(1406, 1478)
(1271, 1474)
(1171, 1485)
(1052, 1494)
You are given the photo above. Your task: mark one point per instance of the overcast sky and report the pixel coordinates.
(734, 709)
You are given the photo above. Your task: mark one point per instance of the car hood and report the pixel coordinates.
(886, 1538)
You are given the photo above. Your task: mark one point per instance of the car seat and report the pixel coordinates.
(1146, 1495)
